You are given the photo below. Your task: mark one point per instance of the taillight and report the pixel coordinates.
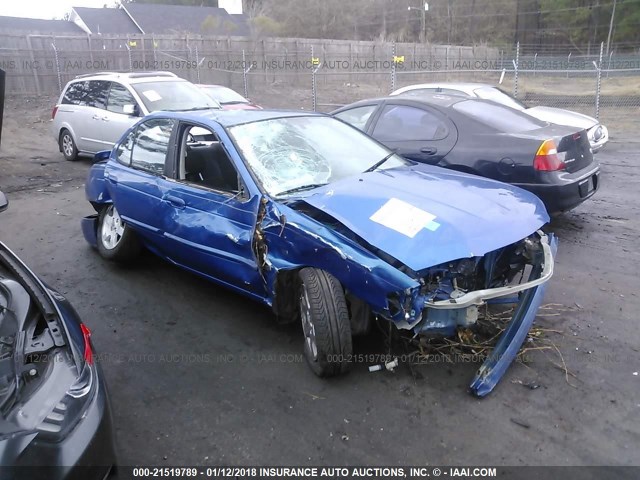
(547, 157)
(88, 353)
(53, 112)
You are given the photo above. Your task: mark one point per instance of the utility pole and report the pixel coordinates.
(613, 13)
(423, 21)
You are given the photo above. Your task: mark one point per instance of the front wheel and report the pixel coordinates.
(325, 323)
(116, 240)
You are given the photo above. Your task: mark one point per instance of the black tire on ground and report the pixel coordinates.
(68, 145)
(325, 323)
(116, 241)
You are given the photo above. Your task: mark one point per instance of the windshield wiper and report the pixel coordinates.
(379, 163)
(301, 188)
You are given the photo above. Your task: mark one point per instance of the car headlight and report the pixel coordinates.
(597, 133)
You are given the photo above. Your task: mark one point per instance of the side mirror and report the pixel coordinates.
(132, 110)
(4, 203)
(102, 156)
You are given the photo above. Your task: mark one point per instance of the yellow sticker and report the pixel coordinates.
(315, 61)
(398, 59)
(133, 43)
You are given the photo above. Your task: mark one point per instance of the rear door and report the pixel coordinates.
(135, 180)
(420, 133)
(96, 104)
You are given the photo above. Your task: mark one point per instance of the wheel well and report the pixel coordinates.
(285, 304)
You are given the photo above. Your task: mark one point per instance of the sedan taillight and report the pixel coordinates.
(53, 112)
(547, 158)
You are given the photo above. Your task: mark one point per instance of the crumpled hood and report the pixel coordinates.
(425, 215)
(562, 117)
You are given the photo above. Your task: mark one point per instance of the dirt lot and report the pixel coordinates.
(199, 375)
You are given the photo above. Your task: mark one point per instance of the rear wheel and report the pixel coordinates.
(116, 240)
(325, 323)
(68, 145)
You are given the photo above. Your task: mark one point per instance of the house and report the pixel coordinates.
(103, 20)
(36, 26)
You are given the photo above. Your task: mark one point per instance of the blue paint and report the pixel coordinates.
(513, 337)
(244, 242)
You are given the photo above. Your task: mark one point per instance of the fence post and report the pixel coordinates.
(244, 75)
(515, 67)
(313, 82)
(535, 62)
(568, 63)
(55, 54)
(609, 66)
(599, 82)
(129, 51)
(393, 66)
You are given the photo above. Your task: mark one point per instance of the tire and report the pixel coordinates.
(325, 323)
(68, 145)
(116, 241)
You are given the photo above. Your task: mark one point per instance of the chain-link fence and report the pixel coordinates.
(324, 74)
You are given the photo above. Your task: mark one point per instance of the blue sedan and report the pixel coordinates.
(323, 224)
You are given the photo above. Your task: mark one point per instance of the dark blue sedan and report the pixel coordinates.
(323, 224)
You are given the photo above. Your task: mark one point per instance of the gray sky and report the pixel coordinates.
(46, 8)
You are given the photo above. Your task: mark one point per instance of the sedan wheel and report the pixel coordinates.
(116, 240)
(325, 323)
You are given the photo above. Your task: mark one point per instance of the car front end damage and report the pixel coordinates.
(449, 296)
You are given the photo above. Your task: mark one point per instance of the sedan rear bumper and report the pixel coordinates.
(563, 191)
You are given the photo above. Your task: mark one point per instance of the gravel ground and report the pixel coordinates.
(199, 375)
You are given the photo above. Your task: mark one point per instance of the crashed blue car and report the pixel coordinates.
(325, 225)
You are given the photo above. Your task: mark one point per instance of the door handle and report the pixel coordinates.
(105, 119)
(175, 201)
(429, 150)
(96, 117)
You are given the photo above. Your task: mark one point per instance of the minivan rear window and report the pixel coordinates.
(90, 93)
(503, 119)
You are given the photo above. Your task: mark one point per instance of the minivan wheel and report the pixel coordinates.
(116, 240)
(68, 146)
(325, 323)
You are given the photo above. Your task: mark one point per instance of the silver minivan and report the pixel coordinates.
(95, 110)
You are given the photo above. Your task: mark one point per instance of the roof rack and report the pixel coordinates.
(129, 74)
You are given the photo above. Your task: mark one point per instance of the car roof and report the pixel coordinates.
(230, 118)
(467, 87)
(438, 99)
(132, 77)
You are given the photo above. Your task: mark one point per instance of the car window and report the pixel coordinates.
(503, 119)
(404, 123)
(173, 96)
(119, 96)
(498, 96)
(90, 93)
(97, 92)
(204, 161)
(123, 150)
(151, 144)
(358, 116)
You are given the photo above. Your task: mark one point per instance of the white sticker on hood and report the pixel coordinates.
(404, 218)
(152, 95)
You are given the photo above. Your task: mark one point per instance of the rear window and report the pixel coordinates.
(503, 119)
(173, 96)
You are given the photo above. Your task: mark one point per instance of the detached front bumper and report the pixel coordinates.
(445, 315)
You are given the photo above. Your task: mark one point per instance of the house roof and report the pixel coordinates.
(36, 25)
(153, 18)
(106, 20)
